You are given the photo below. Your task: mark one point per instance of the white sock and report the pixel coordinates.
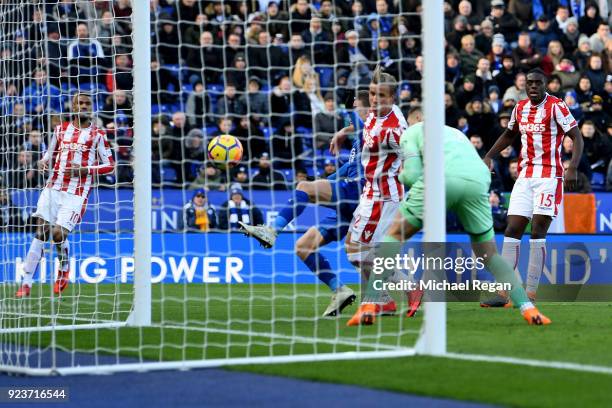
(537, 257)
(511, 251)
(526, 306)
(32, 259)
(63, 254)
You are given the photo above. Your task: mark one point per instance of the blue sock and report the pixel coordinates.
(319, 265)
(293, 209)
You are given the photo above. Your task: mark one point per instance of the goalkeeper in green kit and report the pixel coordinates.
(467, 181)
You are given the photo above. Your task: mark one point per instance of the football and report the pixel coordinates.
(225, 150)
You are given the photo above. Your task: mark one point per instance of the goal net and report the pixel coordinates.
(279, 76)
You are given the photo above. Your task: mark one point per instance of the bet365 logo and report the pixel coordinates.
(532, 127)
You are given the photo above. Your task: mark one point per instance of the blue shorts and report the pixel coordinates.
(345, 198)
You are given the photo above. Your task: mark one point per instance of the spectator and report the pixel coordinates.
(598, 40)
(300, 175)
(459, 29)
(308, 102)
(597, 147)
(500, 214)
(502, 164)
(286, 147)
(483, 77)
(194, 153)
(168, 39)
(582, 185)
(582, 54)
(452, 71)
(237, 73)
(302, 69)
(467, 92)
(553, 57)
(543, 34)
(478, 145)
(484, 39)
(277, 21)
(562, 15)
(41, 97)
(318, 42)
(595, 73)
(554, 86)
(230, 103)
(256, 101)
(480, 120)
(473, 19)
(301, 14)
(518, 91)
(451, 112)
(297, 48)
(469, 55)
(240, 176)
(163, 79)
(388, 57)
(117, 108)
(121, 77)
(209, 178)
(24, 175)
(191, 35)
(35, 145)
(506, 76)
(589, 22)
(266, 177)
(566, 154)
(494, 100)
(232, 48)
(512, 175)
(251, 137)
(85, 56)
(503, 22)
(329, 168)
(596, 113)
(10, 218)
(327, 123)
(567, 73)
(573, 105)
(205, 62)
(584, 92)
(570, 36)
(526, 56)
(496, 54)
(198, 107)
(238, 210)
(280, 101)
(264, 55)
(198, 215)
(415, 77)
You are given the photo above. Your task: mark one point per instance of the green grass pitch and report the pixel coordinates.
(258, 320)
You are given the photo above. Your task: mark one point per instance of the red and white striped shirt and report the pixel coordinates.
(542, 129)
(72, 147)
(381, 155)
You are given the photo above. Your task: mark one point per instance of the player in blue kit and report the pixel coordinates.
(339, 192)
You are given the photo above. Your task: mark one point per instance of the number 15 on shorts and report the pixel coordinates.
(546, 200)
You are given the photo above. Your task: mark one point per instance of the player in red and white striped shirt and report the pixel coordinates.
(381, 159)
(77, 153)
(542, 120)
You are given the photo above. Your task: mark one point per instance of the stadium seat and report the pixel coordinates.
(326, 76)
(168, 174)
(598, 181)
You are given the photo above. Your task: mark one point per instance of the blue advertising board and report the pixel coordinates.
(234, 258)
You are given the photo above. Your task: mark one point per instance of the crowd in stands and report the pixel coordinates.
(281, 75)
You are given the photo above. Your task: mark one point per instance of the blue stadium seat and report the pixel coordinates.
(209, 130)
(326, 76)
(598, 181)
(288, 175)
(168, 174)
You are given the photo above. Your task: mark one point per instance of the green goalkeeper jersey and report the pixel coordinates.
(460, 158)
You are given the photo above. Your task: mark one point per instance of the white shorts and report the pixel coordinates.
(536, 196)
(60, 208)
(371, 221)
